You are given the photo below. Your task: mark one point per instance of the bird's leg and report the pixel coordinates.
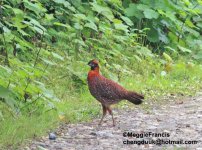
(110, 112)
(104, 114)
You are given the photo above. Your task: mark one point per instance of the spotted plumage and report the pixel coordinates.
(108, 92)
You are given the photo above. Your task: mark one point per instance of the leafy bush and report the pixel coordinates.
(174, 25)
(45, 41)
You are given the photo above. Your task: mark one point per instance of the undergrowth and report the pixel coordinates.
(78, 105)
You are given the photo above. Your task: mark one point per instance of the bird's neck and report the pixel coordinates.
(96, 69)
(93, 73)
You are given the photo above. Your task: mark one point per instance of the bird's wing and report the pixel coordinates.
(109, 89)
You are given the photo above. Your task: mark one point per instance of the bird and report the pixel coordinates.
(107, 91)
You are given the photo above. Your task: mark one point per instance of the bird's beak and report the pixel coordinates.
(89, 64)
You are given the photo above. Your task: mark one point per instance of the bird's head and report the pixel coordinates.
(93, 64)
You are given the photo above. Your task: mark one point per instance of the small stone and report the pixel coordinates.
(105, 134)
(199, 116)
(27, 148)
(42, 144)
(187, 125)
(93, 133)
(52, 136)
(152, 127)
(166, 131)
(41, 148)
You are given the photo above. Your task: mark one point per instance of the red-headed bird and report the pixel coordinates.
(108, 92)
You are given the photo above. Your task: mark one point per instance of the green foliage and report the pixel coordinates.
(173, 23)
(38, 36)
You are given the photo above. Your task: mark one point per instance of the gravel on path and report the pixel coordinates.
(180, 122)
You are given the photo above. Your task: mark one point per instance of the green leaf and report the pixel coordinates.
(62, 25)
(55, 55)
(7, 69)
(35, 7)
(18, 11)
(80, 16)
(120, 26)
(184, 50)
(189, 23)
(200, 2)
(137, 58)
(144, 51)
(6, 30)
(192, 31)
(162, 36)
(105, 11)
(64, 2)
(7, 96)
(49, 17)
(36, 23)
(80, 42)
(117, 21)
(172, 36)
(142, 7)
(23, 32)
(37, 29)
(133, 11)
(167, 57)
(170, 48)
(91, 25)
(199, 24)
(153, 35)
(23, 43)
(150, 14)
(198, 56)
(4, 92)
(127, 20)
(48, 62)
(117, 66)
(78, 26)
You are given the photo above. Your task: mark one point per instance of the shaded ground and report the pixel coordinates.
(181, 120)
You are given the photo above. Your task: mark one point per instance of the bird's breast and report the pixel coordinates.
(93, 84)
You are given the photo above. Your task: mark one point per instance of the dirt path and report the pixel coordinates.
(177, 121)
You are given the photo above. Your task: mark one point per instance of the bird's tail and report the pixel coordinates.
(134, 97)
